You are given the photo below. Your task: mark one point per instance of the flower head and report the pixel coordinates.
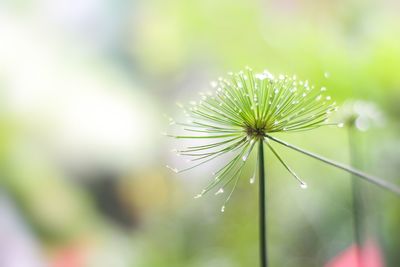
(243, 109)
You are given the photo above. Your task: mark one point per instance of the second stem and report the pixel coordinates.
(262, 207)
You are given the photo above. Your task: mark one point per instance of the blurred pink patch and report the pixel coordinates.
(368, 256)
(372, 255)
(69, 257)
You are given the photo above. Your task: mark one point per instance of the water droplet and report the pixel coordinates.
(340, 125)
(303, 185)
(261, 76)
(220, 191)
(268, 74)
(201, 194)
(323, 89)
(327, 74)
(252, 179)
(223, 208)
(328, 98)
(175, 170)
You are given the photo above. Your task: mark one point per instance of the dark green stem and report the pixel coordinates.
(262, 207)
(372, 179)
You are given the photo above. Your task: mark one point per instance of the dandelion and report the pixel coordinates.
(242, 115)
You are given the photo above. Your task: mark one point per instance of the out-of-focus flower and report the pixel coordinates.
(360, 114)
(367, 256)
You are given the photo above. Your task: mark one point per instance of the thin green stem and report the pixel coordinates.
(372, 179)
(262, 207)
(356, 191)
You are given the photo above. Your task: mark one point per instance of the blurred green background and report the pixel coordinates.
(83, 89)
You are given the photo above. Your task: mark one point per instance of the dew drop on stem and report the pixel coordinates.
(175, 170)
(220, 191)
(303, 185)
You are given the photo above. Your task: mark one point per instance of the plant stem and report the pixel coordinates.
(357, 200)
(372, 179)
(262, 207)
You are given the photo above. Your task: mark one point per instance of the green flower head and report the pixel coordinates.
(246, 108)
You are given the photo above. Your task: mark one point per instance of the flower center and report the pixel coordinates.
(255, 132)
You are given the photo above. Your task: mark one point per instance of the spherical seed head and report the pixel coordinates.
(243, 109)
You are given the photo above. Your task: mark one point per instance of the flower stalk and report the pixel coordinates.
(356, 193)
(262, 207)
